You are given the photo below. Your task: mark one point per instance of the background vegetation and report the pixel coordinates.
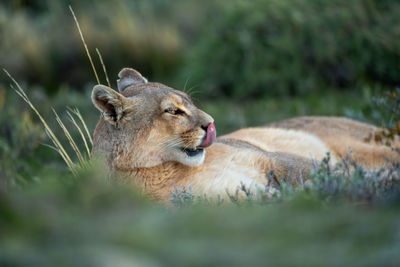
(245, 63)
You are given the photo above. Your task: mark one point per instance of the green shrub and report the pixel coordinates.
(262, 48)
(245, 49)
(391, 128)
(24, 151)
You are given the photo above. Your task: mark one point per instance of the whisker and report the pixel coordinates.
(190, 90)
(186, 82)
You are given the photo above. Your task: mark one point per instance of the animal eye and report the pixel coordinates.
(175, 111)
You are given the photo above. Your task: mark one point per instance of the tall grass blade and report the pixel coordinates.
(104, 67)
(70, 139)
(84, 44)
(80, 132)
(59, 152)
(48, 130)
(78, 114)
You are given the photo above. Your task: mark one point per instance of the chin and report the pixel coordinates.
(190, 157)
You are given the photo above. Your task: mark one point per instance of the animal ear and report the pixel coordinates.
(129, 77)
(111, 103)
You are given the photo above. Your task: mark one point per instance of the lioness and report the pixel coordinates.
(156, 137)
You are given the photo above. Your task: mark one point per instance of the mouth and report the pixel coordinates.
(192, 152)
(207, 141)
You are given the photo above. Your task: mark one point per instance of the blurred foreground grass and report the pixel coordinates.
(88, 221)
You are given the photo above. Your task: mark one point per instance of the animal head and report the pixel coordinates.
(146, 124)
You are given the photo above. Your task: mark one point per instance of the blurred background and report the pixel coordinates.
(244, 62)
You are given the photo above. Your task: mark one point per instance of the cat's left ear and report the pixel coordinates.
(129, 77)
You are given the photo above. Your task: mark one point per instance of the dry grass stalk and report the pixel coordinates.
(58, 146)
(70, 139)
(104, 67)
(80, 132)
(84, 44)
(78, 114)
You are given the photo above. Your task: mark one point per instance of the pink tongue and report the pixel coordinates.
(210, 137)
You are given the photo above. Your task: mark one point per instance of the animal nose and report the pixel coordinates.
(208, 126)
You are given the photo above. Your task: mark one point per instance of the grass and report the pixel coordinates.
(82, 161)
(87, 49)
(88, 221)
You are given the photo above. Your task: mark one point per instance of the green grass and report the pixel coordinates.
(88, 221)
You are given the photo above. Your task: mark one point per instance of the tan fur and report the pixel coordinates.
(141, 139)
(290, 141)
(342, 135)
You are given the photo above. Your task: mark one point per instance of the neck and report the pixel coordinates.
(157, 181)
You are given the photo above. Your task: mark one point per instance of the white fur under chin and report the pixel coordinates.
(183, 158)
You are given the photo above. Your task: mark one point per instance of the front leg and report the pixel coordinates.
(287, 168)
(229, 166)
(283, 165)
